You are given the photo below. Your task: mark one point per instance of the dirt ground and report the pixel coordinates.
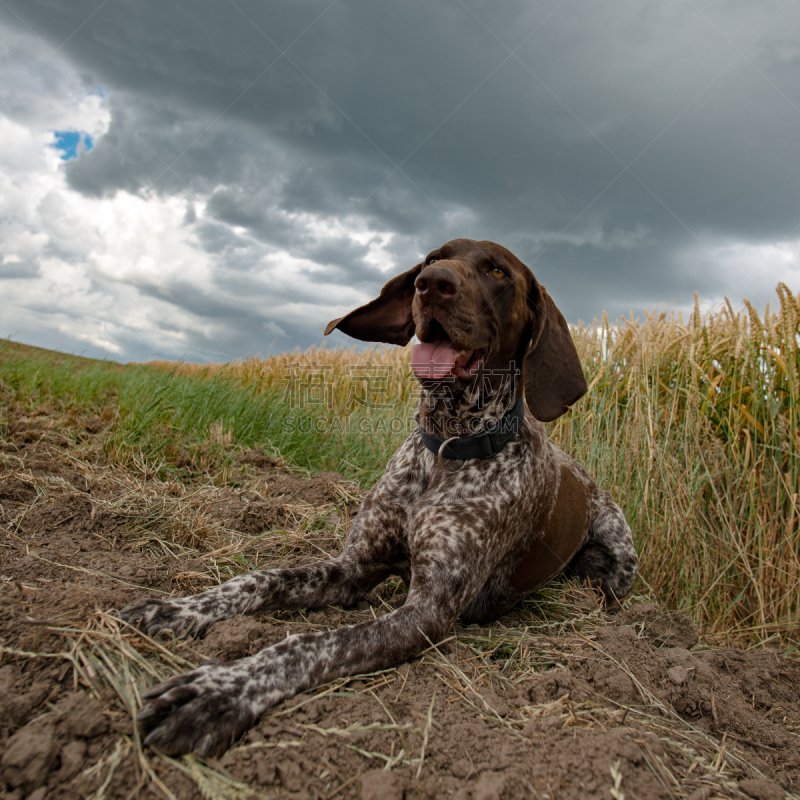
(555, 700)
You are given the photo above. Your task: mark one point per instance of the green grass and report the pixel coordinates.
(180, 424)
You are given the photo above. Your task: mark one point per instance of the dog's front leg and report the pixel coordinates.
(207, 709)
(377, 543)
(340, 581)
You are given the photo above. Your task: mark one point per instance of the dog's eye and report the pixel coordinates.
(432, 260)
(496, 272)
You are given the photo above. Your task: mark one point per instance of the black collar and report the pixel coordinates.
(482, 445)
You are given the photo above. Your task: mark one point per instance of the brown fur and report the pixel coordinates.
(563, 534)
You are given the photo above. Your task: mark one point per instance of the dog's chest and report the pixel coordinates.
(496, 494)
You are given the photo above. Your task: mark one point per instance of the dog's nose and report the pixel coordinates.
(437, 283)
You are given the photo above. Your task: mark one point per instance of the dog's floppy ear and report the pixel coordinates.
(552, 371)
(387, 318)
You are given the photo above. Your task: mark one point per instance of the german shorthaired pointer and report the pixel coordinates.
(475, 511)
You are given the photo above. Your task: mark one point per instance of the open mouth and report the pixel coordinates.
(439, 357)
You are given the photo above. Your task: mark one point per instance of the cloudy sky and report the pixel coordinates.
(213, 179)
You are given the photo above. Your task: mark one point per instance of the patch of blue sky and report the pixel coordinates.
(72, 143)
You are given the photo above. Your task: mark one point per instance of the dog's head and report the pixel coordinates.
(476, 309)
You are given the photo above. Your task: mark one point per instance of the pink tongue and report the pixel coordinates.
(433, 359)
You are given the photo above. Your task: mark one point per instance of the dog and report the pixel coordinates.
(476, 508)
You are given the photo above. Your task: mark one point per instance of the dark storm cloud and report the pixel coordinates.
(248, 328)
(601, 142)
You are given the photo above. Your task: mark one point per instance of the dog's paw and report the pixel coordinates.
(203, 711)
(176, 616)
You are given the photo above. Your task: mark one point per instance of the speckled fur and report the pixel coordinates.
(455, 538)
